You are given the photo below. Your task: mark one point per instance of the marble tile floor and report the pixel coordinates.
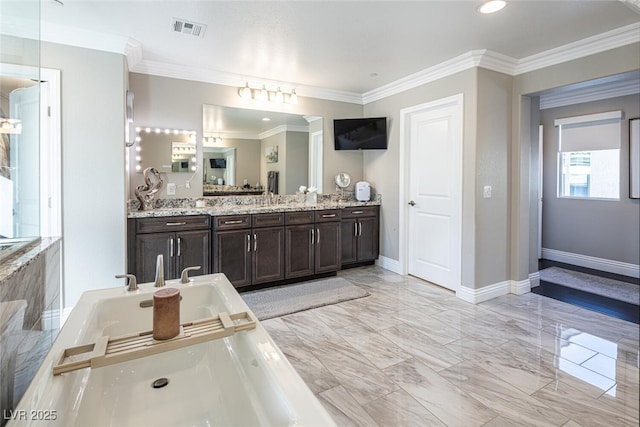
(413, 354)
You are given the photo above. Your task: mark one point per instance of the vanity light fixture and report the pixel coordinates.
(264, 95)
(492, 6)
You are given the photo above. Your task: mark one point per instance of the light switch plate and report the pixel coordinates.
(486, 193)
(171, 188)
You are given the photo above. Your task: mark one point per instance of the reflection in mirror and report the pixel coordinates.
(219, 165)
(168, 150)
(255, 135)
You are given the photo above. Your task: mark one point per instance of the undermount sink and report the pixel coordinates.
(239, 380)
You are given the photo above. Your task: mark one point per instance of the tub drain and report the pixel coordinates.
(160, 382)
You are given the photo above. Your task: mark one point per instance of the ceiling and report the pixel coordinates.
(351, 47)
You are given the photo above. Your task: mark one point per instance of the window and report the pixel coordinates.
(589, 156)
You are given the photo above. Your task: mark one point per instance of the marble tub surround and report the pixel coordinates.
(412, 354)
(30, 315)
(229, 205)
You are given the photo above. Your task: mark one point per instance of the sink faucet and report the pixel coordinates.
(159, 271)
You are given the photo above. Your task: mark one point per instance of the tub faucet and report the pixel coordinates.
(159, 271)
(132, 284)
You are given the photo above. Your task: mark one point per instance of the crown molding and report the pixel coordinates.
(282, 128)
(589, 94)
(591, 45)
(633, 5)
(487, 59)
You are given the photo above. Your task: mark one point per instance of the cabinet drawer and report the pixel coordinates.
(267, 220)
(327, 215)
(172, 223)
(231, 222)
(355, 212)
(293, 218)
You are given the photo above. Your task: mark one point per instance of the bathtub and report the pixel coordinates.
(243, 380)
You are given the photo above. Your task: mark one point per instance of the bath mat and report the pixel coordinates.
(282, 300)
(610, 288)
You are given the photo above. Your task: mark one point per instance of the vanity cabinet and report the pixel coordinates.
(312, 242)
(249, 249)
(183, 241)
(360, 234)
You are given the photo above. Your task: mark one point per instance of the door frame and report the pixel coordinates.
(405, 156)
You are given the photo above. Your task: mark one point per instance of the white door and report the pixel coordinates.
(25, 147)
(434, 133)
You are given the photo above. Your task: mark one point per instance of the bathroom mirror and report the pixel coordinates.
(168, 150)
(254, 136)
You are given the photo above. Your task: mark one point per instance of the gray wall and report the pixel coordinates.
(175, 103)
(603, 229)
(526, 87)
(93, 166)
(297, 161)
(381, 167)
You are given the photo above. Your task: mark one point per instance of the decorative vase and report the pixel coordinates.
(312, 198)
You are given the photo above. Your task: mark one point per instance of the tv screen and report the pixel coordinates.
(360, 134)
(218, 163)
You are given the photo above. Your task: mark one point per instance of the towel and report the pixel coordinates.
(272, 182)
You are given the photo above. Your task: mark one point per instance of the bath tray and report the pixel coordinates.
(108, 350)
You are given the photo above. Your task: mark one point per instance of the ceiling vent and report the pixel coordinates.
(186, 27)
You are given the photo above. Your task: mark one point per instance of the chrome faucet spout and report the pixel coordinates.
(159, 271)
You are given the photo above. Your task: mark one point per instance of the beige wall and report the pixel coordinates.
(93, 166)
(247, 159)
(297, 161)
(175, 103)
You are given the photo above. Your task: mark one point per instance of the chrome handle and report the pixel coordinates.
(313, 236)
(328, 216)
(179, 246)
(359, 229)
(169, 224)
(248, 243)
(355, 229)
(412, 203)
(255, 242)
(132, 284)
(239, 221)
(357, 212)
(171, 246)
(318, 236)
(184, 277)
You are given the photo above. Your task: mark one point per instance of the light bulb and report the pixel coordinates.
(492, 6)
(293, 99)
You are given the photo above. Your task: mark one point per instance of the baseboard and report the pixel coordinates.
(617, 267)
(389, 264)
(486, 293)
(534, 280)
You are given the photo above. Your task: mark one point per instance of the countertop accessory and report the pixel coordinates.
(166, 313)
(147, 191)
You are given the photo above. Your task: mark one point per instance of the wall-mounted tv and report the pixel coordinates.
(360, 134)
(218, 163)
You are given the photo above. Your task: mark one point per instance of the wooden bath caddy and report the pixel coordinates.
(108, 351)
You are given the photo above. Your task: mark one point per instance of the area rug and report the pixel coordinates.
(610, 288)
(282, 300)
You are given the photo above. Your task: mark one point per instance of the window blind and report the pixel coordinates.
(590, 132)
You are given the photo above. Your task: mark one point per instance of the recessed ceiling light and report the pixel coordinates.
(492, 6)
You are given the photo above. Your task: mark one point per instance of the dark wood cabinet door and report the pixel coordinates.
(148, 247)
(268, 254)
(327, 247)
(299, 253)
(192, 249)
(367, 238)
(232, 256)
(349, 240)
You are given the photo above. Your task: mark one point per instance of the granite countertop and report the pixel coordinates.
(248, 209)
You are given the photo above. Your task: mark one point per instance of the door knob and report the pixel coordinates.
(412, 203)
